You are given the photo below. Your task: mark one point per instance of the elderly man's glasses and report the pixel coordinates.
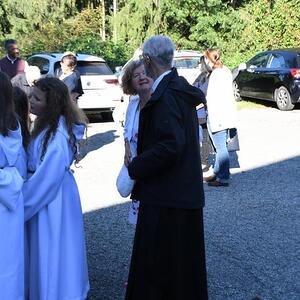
(144, 58)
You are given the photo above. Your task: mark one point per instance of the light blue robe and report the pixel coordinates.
(12, 164)
(57, 254)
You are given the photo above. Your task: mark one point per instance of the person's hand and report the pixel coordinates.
(128, 156)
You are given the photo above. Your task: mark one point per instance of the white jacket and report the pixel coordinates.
(221, 105)
(130, 113)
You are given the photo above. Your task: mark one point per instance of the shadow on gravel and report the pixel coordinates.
(109, 240)
(252, 231)
(96, 141)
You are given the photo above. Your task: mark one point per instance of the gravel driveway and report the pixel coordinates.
(252, 227)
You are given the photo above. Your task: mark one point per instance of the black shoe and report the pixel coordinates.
(217, 183)
(209, 178)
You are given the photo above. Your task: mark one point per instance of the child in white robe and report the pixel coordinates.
(57, 254)
(12, 168)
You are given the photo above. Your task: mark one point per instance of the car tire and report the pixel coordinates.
(283, 99)
(236, 91)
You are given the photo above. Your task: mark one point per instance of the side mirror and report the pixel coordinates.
(118, 69)
(242, 66)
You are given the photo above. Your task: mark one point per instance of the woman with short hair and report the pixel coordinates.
(136, 83)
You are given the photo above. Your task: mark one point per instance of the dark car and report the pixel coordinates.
(271, 75)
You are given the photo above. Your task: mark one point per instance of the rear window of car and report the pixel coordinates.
(93, 68)
(42, 63)
(186, 63)
(89, 68)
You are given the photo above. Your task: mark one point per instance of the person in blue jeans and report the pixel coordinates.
(221, 115)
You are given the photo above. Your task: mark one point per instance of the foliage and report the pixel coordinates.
(240, 28)
(115, 54)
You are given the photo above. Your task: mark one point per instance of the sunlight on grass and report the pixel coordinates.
(246, 104)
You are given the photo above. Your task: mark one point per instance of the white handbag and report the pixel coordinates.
(124, 182)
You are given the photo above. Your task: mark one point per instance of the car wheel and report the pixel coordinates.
(283, 99)
(236, 91)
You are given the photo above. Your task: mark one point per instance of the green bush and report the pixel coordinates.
(115, 54)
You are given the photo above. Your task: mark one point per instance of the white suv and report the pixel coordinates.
(101, 88)
(186, 63)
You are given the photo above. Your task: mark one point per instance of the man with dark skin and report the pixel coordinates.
(12, 64)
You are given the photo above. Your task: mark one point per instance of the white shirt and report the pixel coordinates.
(158, 80)
(132, 109)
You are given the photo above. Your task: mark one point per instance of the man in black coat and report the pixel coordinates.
(168, 259)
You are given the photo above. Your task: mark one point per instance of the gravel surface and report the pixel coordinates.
(252, 227)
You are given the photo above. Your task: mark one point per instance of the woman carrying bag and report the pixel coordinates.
(136, 83)
(221, 110)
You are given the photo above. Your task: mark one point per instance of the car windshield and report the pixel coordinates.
(186, 63)
(90, 68)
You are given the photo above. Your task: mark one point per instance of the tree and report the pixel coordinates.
(5, 26)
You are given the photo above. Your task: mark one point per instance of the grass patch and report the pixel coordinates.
(249, 104)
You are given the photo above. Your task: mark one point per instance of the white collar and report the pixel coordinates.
(158, 80)
(11, 60)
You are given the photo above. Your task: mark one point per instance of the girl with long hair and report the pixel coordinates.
(53, 215)
(21, 103)
(12, 169)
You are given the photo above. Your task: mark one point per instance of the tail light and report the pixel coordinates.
(295, 73)
(114, 81)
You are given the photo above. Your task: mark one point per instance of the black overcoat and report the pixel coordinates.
(167, 168)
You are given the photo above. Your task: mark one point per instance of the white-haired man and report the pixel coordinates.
(26, 80)
(168, 260)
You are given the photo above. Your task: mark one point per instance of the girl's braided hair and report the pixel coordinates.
(58, 103)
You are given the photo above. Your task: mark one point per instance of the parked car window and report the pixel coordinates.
(89, 68)
(276, 61)
(93, 68)
(292, 60)
(41, 62)
(259, 61)
(186, 63)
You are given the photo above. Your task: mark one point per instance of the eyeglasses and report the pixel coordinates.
(144, 57)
